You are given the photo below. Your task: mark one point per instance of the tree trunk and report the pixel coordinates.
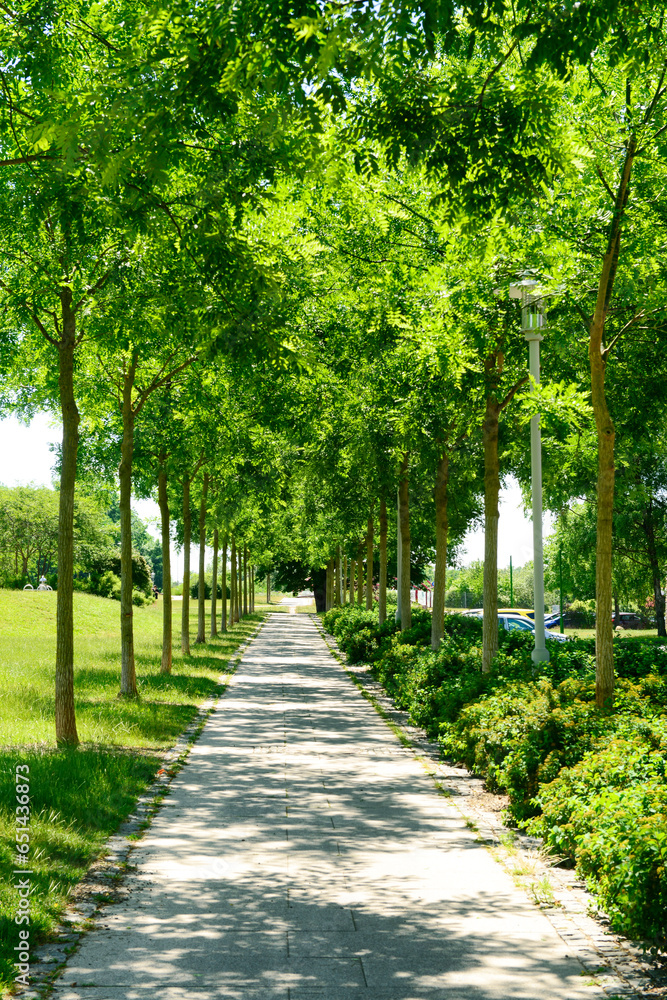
(353, 570)
(214, 586)
(223, 579)
(328, 589)
(165, 665)
(268, 588)
(617, 612)
(441, 526)
(606, 433)
(319, 589)
(187, 537)
(404, 513)
(491, 515)
(252, 589)
(382, 611)
(360, 573)
(128, 678)
(239, 582)
(651, 548)
(201, 580)
(232, 583)
(339, 577)
(245, 580)
(369, 562)
(64, 694)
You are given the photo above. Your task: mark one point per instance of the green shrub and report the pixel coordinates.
(141, 600)
(108, 585)
(608, 813)
(208, 589)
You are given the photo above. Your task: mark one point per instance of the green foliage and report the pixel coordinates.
(29, 534)
(608, 813)
(100, 579)
(208, 589)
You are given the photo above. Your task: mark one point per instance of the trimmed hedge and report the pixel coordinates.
(590, 783)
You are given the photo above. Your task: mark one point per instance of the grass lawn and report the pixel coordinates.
(79, 797)
(625, 633)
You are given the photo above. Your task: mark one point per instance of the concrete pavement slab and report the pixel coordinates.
(302, 853)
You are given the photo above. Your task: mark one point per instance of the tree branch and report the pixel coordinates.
(92, 290)
(513, 391)
(499, 65)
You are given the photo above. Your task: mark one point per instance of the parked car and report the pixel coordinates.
(518, 623)
(628, 619)
(571, 619)
(524, 612)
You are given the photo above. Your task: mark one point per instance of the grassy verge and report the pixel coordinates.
(79, 797)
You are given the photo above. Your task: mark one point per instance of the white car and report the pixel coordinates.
(517, 623)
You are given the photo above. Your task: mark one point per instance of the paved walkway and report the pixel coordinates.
(303, 854)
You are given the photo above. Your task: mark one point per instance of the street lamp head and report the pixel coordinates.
(533, 312)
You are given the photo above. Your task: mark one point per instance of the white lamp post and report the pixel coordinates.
(532, 325)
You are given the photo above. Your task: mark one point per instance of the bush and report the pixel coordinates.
(110, 564)
(141, 600)
(208, 590)
(608, 813)
(108, 585)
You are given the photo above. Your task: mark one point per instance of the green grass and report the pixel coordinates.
(79, 797)
(625, 633)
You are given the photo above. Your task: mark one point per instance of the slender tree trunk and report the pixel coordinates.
(214, 586)
(233, 608)
(404, 511)
(606, 433)
(268, 588)
(652, 552)
(327, 587)
(344, 581)
(370, 544)
(239, 583)
(245, 580)
(617, 611)
(339, 578)
(252, 589)
(165, 665)
(441, 527)
(187, 538)
(64, 694)
(201, 582)
(360, 574)
(382, 610)
(353, 570)
(223, 620)
(491, 515)
(128, 679)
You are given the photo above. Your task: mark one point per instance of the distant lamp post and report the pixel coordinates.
(532, 326)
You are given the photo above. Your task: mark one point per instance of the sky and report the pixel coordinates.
(26, 457)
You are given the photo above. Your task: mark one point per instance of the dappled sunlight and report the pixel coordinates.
(285, 863)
